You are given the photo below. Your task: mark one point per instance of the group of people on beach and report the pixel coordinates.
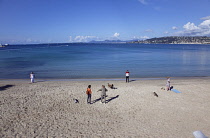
(103, 94)
(103, 89)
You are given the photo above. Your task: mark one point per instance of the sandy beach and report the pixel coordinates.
(47, 109)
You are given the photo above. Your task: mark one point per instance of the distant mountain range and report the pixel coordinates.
(176, 40)
(165, 40)
(160, 40)
(108, 41)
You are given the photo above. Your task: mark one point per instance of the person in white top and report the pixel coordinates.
(169, 79)
(32, 76)
(127, 74)
(168, 87)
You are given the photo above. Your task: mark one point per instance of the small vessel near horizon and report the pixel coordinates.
(1, 45)
(4, 45)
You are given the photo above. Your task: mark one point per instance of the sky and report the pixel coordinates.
(66, 21)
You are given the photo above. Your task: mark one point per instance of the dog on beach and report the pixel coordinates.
(76, 100)
(111, 86)
(162, 88)
(155, 94)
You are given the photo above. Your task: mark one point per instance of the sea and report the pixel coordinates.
(104, 60)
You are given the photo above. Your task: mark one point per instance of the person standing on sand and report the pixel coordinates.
(127, 74)
(168, 85)
(32, 76)
(89, 92)
(103, 94)
(168, 79)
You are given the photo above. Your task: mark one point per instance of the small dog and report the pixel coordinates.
(76, 101)
(155, 94)
(111, 86)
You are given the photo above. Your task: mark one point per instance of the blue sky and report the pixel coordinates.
(49, 21)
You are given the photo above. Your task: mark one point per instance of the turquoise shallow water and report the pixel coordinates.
(71, 61)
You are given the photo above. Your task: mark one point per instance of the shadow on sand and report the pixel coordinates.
(2, 88)
(107, 101)
(96, 100)
(111, 98)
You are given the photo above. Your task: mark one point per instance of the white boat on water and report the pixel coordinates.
(2, 45)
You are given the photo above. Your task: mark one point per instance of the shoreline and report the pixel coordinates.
(107, 79)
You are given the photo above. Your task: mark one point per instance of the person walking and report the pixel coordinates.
(127, 74)
(32, 76)
(89, 92)
(103, 94)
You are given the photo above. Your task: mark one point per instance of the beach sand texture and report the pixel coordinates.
(47, 109)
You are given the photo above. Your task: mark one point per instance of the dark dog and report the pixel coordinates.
(76, 101)
(111, 86)
(155, 94)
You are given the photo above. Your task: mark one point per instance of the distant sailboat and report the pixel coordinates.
(3, 45)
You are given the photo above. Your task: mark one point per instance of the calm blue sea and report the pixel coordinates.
(70, 61)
